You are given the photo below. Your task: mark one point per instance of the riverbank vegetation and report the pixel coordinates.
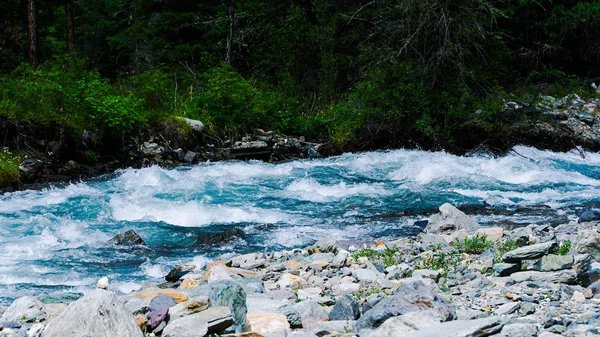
(363, 74)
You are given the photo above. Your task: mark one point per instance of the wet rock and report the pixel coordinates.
(505, 269)
(178, 272)
(229, 294)
(189, 157)
(220, 237)
(477, 327)
(25, 309)
(554, 262)
(529, 252)
(562, 276)
(450, 219)
(129, 237)
(345, 308)
(413, 296)
(407, 323)
(81, 318)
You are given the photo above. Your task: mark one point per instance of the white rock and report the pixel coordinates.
(102, 283)
(25, 309)
(35, 330)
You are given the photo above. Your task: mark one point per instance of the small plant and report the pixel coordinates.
(347, 329)
(475, 245)
(387, 257)
(502, 248)
(564, 248)
(440, 260)
(9, 169)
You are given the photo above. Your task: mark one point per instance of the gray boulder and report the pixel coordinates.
(229, 294)
(25, 310)
(346, 308)
(97, 314)
(310, 310)
(529, 252)
(450, 219)
(192, 306)
(519, 330)
(587, 241)
(553, 262)
(473, 328)
(413, 296)
(194, 124)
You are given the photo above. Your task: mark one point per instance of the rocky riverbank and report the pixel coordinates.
(454, 279)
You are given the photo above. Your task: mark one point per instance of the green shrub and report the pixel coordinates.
(564, 248)
(475, 245)
(9, 169)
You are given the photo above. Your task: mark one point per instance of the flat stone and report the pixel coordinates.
(194, 305)
(428, 239)
(505, 269)
(562, 276)
(312, 293)
(427, 273)
(529, 252)
(477, 327)
(366, 275)
(267, 323)
(519, 330)
(578, 297)
(450, 219)
(310, 311)
(226, 293)
(507, 308)
(553, 262)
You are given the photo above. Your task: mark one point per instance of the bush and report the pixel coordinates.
(9, 169)
(475, 245)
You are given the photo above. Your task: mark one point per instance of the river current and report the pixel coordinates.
(53, 241)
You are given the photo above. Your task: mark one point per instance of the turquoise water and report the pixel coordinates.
(54, 240)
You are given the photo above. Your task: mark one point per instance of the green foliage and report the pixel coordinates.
(503, 247)
(387, 257)
(475, 245)
(9, 169)
(440, 260)
(564, 248)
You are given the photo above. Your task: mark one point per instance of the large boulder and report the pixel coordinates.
(25, 309)
(220, 237)
(529, 252)
(100, 313)
(562, 276)
(587, 241)
(413, 296)
(450, 219)
(226, 293)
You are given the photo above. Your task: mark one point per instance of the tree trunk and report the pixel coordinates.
(70, 34)
(32, 32)
(231, 14)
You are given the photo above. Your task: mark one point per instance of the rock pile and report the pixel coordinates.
(456, 279)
